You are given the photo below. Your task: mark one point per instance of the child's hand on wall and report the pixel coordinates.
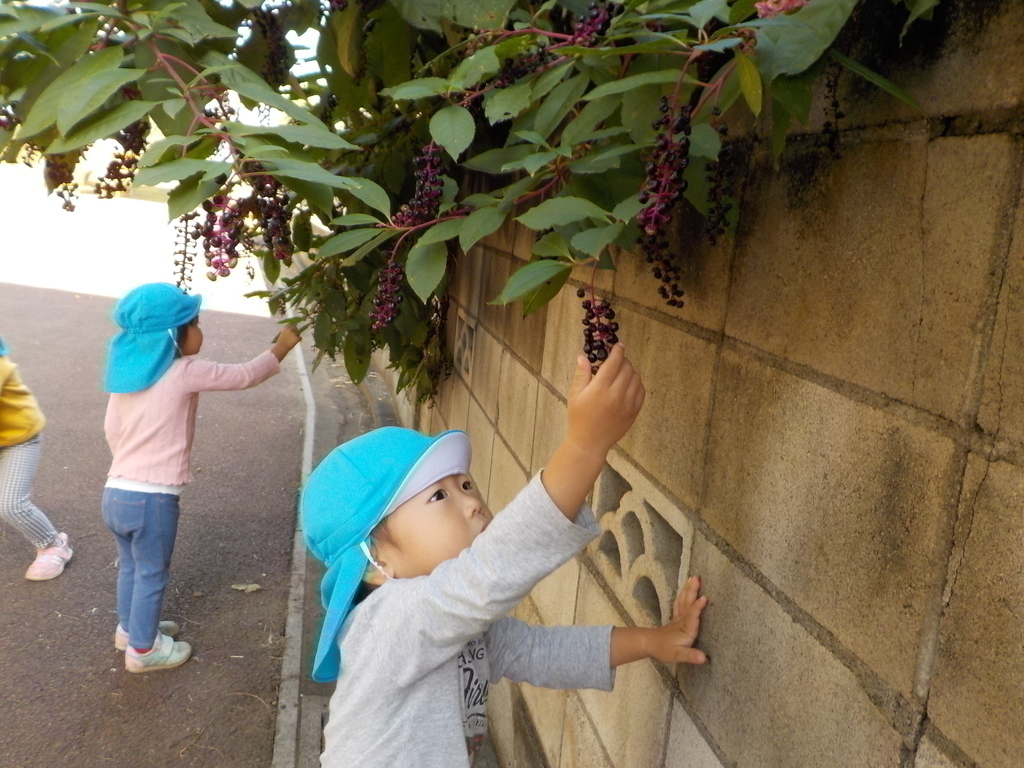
(673, 643)
(670, 644)
(603, 406)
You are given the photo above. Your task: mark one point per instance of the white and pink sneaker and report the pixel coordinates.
(50, 562)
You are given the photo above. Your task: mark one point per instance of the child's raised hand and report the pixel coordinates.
(673, 643)
(285, 341)
(603, 406)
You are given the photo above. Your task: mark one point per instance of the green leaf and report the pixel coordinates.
(552, 244)
(357, 358)
(473, 69)
(919, 9)
(442, 231)
(635, 81)
(506, 103)
(493, 160)
(89, 94)
(383, 237)
(323, 327)
(424, 14)
(479, 224)
(795, 41)
(320, 196)
(560, 211)
(781, 121)
(346, 241)
(300, 169)
(628, 208)
(544, 293)
(741, 10)
(877, 79)
(477, 14)
(531, 163)
(706, 10)
(189, 195)
(194, 19)
(44, 110)
(313, 134)
(720, 45)
(355, 219)
(559, 102)
(156, 150)
(103, 125)
(705, 141)
(594, 113)
(179, 169)
(453, 129)
(28, 18)
(418, 89)
(795, 93)
(247, 83)
(547, 80)
(750, 82)
(603, 160)
(529, 278)
(594, 240)
(533, 138)
(271, 267)
(425, 267)
(371, 193)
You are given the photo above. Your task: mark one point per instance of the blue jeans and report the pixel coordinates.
(144, 525)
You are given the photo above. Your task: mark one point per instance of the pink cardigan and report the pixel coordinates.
(150, 432)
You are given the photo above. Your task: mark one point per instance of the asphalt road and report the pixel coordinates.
(65, 698)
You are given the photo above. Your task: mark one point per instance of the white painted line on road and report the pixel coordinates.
(287, 732)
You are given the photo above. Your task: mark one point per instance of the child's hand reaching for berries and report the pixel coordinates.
(602, 406)
(285, 341)
(670, 644)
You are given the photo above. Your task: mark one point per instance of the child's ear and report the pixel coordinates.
(373, 577)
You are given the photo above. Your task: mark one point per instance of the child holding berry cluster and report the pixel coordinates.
(21, 425)
(155, 382)
(420, 577)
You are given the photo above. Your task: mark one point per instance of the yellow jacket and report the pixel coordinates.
(20, 417)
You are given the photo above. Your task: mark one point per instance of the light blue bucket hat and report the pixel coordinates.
(3, 346)
(356, 486)
(149, 316)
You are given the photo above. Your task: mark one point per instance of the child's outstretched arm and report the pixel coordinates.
(602, 407)
(670, 644)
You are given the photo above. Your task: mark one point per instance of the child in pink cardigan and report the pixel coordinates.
(155, 383)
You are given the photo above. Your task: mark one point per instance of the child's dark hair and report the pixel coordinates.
(378, 534)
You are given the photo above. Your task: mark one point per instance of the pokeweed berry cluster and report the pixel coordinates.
(185, 250)
(594, 22)
(59, 172)
(600, 331)
(221, 232)
(515, 69)
(661, 191)
(122, 169)
(423, 207)
(719, 193)
(275, 62)
(270, 201)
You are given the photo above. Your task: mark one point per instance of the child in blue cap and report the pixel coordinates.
(406, 536)
(155, 382)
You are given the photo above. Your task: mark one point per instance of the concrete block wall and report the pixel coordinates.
(833, 439)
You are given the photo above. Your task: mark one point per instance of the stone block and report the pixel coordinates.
(507, 479)
(550, 428)
(633, 719)
(1002, 405)
(481, 437)
(524, 335)
(563, 340)
(668, 436)
(487, 353)
(929, 756)
(500, 721)
(581, 746)
(836, 503)
(771, 695)
(643, 552)
(888, 295)
(496, 268)
(458, 415)
(546, 708)
(517, 407)
(704, 273)
(686, 747)
(977, 694)
(469, 275)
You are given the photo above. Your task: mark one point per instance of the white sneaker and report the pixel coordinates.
(169, 628)
(165, 654)
(50, 562)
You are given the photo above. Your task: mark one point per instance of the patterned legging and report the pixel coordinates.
(18, 465)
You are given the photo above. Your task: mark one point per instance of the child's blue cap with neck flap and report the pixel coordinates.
(356, 486)
(149, 316)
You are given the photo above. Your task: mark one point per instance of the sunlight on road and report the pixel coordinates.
(105, 247)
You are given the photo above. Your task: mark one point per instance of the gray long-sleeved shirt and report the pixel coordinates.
(403, 695)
